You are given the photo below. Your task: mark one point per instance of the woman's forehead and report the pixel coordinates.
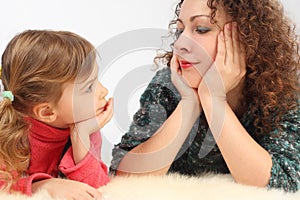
(191, 8)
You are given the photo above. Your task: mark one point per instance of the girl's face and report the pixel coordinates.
(196, 44)
(82, 101)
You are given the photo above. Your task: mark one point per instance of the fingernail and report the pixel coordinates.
(228, 26)
(221, 35)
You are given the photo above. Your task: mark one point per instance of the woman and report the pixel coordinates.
(239, 64)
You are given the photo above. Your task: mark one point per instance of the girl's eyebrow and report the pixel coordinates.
(88, 83)
(192, 18)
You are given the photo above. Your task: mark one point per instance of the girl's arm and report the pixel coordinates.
(86, 151)
(80, 132)
(25, 184)
(66, 189)
(90, 170)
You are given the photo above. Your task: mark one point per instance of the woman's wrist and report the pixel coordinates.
(191, 106)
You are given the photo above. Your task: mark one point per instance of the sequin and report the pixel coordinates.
(193, 160)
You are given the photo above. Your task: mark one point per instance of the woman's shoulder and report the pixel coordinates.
(162, 82)
(161, 87)
(162, 76)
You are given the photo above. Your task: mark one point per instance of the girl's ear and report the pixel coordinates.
(44, 112)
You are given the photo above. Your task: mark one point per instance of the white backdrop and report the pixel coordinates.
(99, 21)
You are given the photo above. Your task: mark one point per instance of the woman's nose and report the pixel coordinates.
(183, 45)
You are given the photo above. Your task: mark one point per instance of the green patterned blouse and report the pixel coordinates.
(199, 153)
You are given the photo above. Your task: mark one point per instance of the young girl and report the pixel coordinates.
(240, 62)
(52, 95)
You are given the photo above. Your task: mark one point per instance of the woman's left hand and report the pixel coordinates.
(229, 67)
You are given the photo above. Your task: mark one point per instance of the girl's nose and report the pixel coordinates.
(102, 91)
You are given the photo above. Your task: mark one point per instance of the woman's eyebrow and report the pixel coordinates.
(197, 16)
(193, 18)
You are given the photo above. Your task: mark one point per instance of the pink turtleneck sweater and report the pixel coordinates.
(47, 144)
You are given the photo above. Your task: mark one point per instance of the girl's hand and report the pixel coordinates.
(81, 131)
(229, 67)
(92, 125)
(185, 91)
(67, 189)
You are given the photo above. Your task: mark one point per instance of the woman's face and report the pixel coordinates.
(196, 46)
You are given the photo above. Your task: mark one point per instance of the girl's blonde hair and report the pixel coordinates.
(35, 64)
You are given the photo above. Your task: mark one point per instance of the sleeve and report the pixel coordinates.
(157, 103)
(91, 170)
(24, 184)
(285, 152)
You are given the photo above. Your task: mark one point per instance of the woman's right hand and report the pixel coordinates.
(67, 189)
(186, 92)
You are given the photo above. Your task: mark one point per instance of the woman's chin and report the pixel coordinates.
(193, 83)
(192, 80)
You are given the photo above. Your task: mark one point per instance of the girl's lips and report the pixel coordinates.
(101, 109)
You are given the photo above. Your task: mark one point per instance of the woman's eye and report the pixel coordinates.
(202, 30)
(89, 89)
(178, 32)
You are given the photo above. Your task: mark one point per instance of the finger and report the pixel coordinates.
(107, 114)
(174, 64)
(95, 193)
(236, 43)
(107, 118)
(243, 57)
(228, 43)
(221, 50)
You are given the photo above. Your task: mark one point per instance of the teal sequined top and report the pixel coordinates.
(199, 153)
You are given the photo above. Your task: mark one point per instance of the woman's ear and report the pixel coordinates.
(44, 112)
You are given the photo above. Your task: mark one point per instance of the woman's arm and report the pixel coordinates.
(156, 154)
(248, 162)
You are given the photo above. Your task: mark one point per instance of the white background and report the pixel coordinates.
(99, 21)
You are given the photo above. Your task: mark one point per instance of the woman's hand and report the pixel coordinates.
(229, 67)
(67, 189)
(186, 92)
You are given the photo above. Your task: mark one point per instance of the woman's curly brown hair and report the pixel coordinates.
(272, 57)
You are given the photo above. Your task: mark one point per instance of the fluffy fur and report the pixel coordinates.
(176, 187)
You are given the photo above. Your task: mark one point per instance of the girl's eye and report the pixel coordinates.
(202, 30)
(89, 89)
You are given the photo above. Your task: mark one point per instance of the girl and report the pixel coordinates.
(52, 95)
(239, 61)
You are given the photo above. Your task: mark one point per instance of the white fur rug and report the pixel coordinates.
(176, 187)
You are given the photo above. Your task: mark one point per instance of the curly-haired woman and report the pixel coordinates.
(227, 103)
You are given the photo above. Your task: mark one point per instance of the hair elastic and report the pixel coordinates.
(9, 95)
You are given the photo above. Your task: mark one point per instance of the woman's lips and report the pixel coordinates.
(185, 64)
